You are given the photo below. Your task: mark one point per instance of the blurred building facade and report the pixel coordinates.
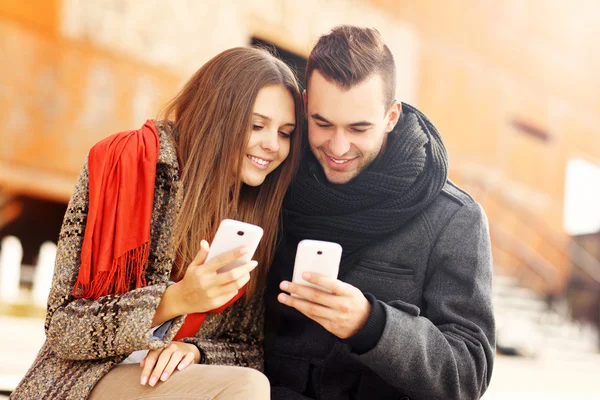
(512, 86)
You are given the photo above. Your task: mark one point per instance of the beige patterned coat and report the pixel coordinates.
(86, 338)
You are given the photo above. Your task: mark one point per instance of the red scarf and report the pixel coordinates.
(116, 244)
(193, 322)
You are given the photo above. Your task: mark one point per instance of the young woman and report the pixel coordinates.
(130, 264)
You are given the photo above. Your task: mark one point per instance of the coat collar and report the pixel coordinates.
(167, 154)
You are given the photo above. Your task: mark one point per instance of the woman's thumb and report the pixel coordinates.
(202, 253)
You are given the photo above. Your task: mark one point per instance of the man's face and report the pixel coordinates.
(347, 129)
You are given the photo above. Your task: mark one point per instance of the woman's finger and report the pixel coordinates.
(186, 362)
(223, 299)
(223, 259)
(235, 274)
(233, 286)
(202, 253)
(148, 364)
(161, 363)
(176, 358)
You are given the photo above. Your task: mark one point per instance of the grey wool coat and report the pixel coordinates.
(432, 282)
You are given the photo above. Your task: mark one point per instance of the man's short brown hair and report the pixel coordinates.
(350, 54)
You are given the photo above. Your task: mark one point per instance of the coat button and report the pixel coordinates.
(404, 398)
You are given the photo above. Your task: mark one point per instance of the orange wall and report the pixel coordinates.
(60, 96)
(481, 65)
(42, 15)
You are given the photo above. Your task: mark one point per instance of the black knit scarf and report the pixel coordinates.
(401, 182)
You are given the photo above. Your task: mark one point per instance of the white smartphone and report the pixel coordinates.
(232, 234)
(319, 257)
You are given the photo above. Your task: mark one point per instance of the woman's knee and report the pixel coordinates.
(253, 383)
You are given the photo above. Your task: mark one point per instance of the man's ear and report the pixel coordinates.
(393, 116)
(305, 103)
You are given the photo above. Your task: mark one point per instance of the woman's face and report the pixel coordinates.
(273, 121)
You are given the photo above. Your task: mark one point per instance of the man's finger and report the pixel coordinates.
(312, 310)
(333, 285)
(311, 294)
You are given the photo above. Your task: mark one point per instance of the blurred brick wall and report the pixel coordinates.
(487, 63)
(59, 96)
(79, 70)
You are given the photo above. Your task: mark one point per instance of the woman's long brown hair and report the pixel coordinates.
(212, 119)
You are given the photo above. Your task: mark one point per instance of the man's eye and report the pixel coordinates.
(359, 130)
(323, 125)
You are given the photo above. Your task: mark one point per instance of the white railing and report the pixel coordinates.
(11, 271)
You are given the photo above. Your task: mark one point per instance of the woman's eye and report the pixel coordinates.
(284, 134)
(257, 127)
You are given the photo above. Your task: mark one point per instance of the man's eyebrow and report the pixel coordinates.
(319, 117)
(361, 124)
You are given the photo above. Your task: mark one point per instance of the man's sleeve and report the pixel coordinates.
(446, 350)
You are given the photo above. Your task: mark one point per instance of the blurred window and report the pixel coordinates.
(582, 197)
(296, 62)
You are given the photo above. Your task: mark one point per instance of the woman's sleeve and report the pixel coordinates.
(85, 329)
(236, 337)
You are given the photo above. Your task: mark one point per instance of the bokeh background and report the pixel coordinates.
(513, 86)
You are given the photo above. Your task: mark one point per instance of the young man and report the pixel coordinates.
(410, 315)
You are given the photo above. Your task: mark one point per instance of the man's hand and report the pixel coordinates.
(160, 364)
(343, 313)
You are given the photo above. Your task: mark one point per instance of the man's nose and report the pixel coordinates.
(339, 144)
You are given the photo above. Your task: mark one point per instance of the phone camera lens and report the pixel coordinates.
(319, 252)
(241, 233)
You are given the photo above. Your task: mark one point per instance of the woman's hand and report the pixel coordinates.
(160, 364)
(203, 289)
